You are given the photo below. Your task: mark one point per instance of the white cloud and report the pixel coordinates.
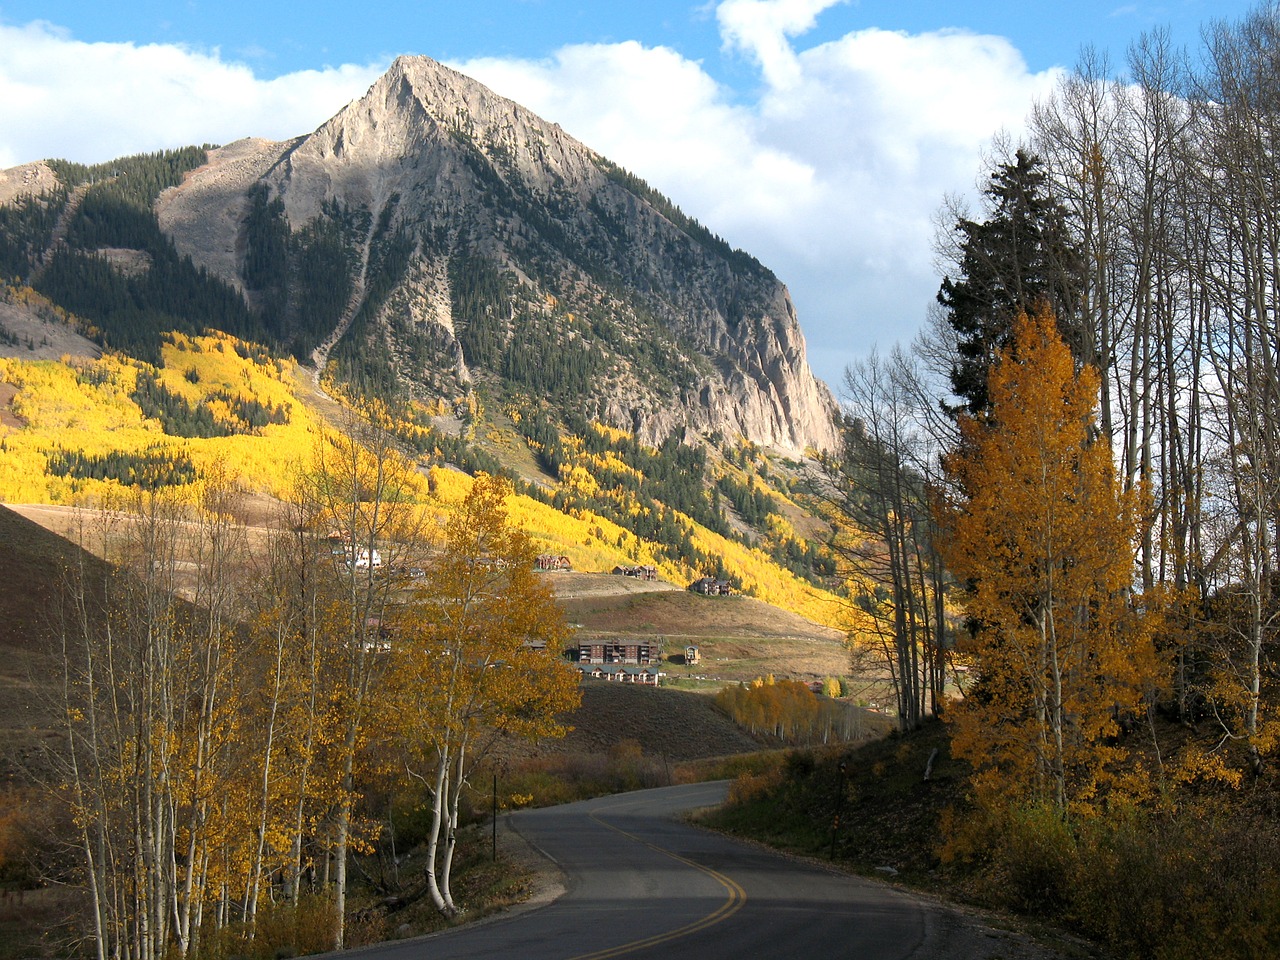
(830, 175)
(95, 101)
(892, 123)
(661, 116)
(761, 28)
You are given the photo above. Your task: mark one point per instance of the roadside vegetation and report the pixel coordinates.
(1150, 882)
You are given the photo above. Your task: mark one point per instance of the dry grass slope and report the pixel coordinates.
(32, 566)
(672, 724)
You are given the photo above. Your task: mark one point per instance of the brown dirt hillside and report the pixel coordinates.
(40, 338)
(604, 602)
(673, 724)
(32, 566)
(739, 638)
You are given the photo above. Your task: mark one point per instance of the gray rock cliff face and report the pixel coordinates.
(669, 327)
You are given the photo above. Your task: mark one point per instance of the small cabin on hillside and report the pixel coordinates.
(639, 571)
(711, 587)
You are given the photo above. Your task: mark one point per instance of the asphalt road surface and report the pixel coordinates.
(642, 884)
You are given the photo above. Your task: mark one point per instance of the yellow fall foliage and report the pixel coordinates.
(85, 406)
(1043, 535)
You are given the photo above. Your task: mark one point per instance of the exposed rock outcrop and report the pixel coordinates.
(27, 180)
(431, 175)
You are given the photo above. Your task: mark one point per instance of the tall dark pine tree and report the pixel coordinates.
(1020, 257)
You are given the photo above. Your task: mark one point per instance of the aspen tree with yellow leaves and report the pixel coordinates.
(292, 630)
(289, 668)
(151, 721)
(477, 655)
(364, 490)
(1041, 535)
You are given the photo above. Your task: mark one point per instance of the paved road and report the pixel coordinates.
(642, 884)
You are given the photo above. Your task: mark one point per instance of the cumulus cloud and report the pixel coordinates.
(91, 102)
(830, 174)
(762, 28)
(892, 123)
(661, 116)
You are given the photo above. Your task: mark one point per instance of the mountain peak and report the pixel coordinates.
(488, 249)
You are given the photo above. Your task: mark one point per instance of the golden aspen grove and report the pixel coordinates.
(218, 768)
(79, 419)
(1041, 536)
(475, 657)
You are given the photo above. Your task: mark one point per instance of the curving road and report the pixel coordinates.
(640, 883)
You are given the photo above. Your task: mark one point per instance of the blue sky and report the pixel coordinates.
(820, 135)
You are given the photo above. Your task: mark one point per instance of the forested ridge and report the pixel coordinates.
(298, 285)
(127, 310)
(302, 282)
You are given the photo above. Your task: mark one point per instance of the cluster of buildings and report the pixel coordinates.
(712, 587)
(623, 659)
(638, 571)
(620, 659)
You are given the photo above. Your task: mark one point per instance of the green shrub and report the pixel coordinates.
(1163, 885)
(1033, 863)
(282, 930)
(1154, 885)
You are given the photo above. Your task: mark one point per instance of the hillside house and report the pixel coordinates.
(377, 637)
(618, 650)
(551, 561)
(338, 544)
(692, 655)
(639, 571)
(711, 587)
(343, 548)
(368, 558)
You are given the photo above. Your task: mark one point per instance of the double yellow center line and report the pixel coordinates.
(733, 903)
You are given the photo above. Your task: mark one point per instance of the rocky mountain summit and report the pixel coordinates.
(441, 239)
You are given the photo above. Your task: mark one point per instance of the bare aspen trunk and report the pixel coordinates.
(439, 801)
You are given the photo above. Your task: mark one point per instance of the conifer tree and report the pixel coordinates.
(1021, 255)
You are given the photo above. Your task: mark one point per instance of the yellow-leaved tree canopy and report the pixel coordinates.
(476, 654)
(1041, 535)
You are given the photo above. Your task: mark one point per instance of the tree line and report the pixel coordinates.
(129, 311)
(300, 281)
(154, 467)
(239, 716)
(1073, 482)
(1162, 275)
(789, 712)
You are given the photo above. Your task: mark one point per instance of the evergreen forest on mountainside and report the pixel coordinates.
(297, 286)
